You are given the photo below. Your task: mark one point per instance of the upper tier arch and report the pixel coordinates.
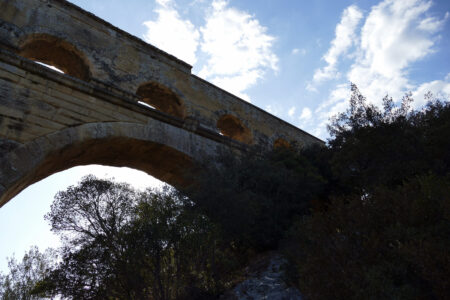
(162, 98)
(55, 52)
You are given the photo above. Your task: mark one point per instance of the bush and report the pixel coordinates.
(253, 199)
(370, 147)
(124, 244)
(391, 244)
(383, 230)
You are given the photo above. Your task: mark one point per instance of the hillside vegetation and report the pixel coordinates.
(365, 217)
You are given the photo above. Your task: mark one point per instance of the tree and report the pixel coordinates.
(383, 231)
(90, 219)
(371, 147)
(392, 244)
(25, 275)
(254, 198)
(125, 244)
(176, 247)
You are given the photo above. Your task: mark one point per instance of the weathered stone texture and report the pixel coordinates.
(92, 114)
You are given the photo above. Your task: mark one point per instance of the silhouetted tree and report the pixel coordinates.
(125, 244)
(23, 276)
(384, 231)
(370, 146)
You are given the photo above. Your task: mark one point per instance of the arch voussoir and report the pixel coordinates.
(162, 150)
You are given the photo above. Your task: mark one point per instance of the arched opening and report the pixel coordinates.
(158, 160)
(161, 98)
(113, 144)
(24, 214)
(232, 127)
(56, 52)
(137, 146)
(281, 143)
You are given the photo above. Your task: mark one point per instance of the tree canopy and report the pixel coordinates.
(384, 229)
(25, 275)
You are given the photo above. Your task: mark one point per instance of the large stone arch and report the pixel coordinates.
(49, 122)
(162, 151)
(55, 52)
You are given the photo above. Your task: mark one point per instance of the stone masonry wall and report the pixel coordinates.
(117, 59)
(97, 110)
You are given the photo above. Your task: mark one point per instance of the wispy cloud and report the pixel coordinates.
(395, 35)
(239, 49)
(291, 111)
(337, 102)
(345, 37)
(172, 34)
(306, 114)
(296, 51)
(274, 110)
(439, 88)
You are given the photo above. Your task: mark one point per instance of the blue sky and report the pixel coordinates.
(295, 59)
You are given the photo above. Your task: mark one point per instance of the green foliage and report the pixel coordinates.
(125, 244)
(23, 276)
(90, 219)
(370, 147)
(253, 199)
(391, 244)
(175, 247)
(383, 230)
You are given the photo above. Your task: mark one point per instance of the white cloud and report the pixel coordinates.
(164, 3)
(306, 114)
(138, 179)
(238, 83)
(337, 102)
(291, 111)
(238, 48)
(339, 94)
(439, 88)
(344, 39)
(50, 67)
(269, 109)
(172, 34)
(431, 24)
(296, 51)
(311, 87)
(306, 119)
(395, 35)
(273, 110)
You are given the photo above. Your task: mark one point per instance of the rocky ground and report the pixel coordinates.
(264, 280)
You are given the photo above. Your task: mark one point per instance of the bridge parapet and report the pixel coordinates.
(59, 33)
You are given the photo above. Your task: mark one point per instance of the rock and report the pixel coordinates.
(266, 282)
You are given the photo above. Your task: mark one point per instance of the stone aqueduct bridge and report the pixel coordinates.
(98, 110)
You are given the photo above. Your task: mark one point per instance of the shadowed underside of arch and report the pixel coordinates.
(281, 143)
(113, 144)
(56, 52)
(232, 127)
(162, 98)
